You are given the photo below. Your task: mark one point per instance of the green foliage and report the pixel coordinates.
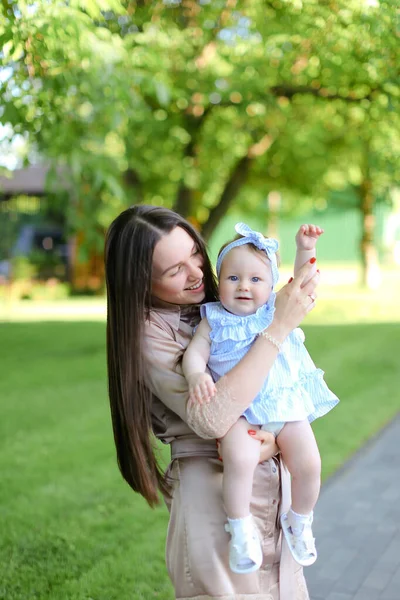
(161, 101)
(23, 268)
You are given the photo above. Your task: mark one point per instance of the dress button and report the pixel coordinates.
(274, 469)
(273, 501)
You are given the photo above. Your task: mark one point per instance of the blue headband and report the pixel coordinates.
(269, 245)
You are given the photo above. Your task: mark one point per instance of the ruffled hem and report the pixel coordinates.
(309, 398)
(324, 398)
(226, 326)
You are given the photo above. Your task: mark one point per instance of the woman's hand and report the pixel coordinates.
(268, 447)
(294, 301)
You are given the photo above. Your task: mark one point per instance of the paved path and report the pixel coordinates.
(357, 526)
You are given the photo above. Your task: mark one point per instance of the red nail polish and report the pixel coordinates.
(318, 270)
(312, 260)
(219, 458)
(290, 280)
(252, 432)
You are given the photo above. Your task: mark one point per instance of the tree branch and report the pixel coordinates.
(182, 203)
(7, 6)
(288, 91)
(236, 180)
(132, 180)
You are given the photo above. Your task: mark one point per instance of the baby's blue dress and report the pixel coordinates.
(294, 389)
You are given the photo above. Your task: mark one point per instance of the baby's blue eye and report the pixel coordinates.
(255, 279)
(233, 278)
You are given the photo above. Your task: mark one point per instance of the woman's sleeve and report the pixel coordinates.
(165, 379)
(213, 420)
(164, 375)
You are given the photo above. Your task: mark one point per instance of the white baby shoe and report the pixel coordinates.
(245, 551)
(301, 546)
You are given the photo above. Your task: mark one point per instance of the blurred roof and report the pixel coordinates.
(30, 181)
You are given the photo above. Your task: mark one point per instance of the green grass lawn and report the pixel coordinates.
(70, 527)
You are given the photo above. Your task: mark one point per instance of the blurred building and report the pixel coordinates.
(31, 228)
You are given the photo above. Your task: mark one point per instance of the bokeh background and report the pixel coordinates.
(275, 113)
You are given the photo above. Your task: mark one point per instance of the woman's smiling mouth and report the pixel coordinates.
(196, 286)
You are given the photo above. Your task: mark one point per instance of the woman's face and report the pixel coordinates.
(177, 275)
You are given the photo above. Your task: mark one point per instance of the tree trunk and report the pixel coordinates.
(132, 180)
(86, 275)
(371, 275)
(183, 202)
(184, 197)
(232, 186)
(274, 200)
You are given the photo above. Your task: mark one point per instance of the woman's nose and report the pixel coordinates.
(196, 270)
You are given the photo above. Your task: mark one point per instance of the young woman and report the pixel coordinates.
(158, 273)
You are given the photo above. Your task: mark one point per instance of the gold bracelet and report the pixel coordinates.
(271, 339)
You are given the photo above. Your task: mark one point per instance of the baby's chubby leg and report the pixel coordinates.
(241, 455)
(301, 455)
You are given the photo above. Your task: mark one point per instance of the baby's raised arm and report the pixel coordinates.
(306, 242)
(194, 364)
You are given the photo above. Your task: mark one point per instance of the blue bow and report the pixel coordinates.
(270, 245)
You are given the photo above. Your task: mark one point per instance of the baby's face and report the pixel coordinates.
(245, 280)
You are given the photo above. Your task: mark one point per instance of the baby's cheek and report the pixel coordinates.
(222, 294)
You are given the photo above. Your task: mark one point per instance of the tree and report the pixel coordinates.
(194, 105)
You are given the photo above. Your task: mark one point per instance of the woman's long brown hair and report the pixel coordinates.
(129, 248)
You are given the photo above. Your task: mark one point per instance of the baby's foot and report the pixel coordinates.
(301, 542)
(245, 552)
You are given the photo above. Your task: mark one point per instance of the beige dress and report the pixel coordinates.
(197, 546)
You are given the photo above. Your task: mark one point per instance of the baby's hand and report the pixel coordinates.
(307, 237)
(201, 388)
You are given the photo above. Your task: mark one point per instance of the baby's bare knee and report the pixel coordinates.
(310, 468)
(239, 460)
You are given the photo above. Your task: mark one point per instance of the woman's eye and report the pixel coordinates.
(177, 271)
(255, 279)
